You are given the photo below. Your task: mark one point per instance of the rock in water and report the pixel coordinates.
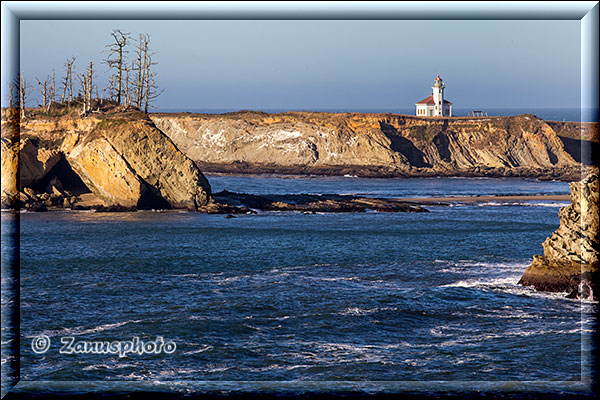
(570, 260)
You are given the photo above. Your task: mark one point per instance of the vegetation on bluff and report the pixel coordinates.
(131, 83)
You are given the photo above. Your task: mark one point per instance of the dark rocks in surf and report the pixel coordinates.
(311, 203)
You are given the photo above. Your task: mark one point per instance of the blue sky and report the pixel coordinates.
(331, 64)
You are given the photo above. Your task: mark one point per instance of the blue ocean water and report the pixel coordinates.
(283, 296)
(548, 114)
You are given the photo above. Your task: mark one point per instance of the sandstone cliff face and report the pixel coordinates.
(35, 162)
(9, 171)
(120, 156)
(397, 142)
(570, 259)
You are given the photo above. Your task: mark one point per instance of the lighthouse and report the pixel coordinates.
(435, 105)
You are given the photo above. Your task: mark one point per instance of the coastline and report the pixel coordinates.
(316, 202)
(486, 198)
(564, 174)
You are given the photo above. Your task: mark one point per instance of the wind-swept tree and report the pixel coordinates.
(116, 59)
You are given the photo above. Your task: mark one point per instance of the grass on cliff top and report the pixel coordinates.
(103, 108)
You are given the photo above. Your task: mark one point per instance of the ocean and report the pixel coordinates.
(548, 114)
(280, 297)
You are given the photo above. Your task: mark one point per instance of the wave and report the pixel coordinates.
(200, 350)
(523, 203)
(79, 330)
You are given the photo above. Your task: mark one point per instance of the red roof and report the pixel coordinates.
(429, 100)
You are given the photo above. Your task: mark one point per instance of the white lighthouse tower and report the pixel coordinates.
(435, 105)
(438, 97)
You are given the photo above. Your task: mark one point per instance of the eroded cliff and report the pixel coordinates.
(118, 155)
(570, 259)
(381, 143)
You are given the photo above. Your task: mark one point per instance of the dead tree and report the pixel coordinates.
(12, 92)
(23, 93)
(141, 67)
(53, 95)
(68, 81)
(127, 88)
(145, 86)
(110, 90)
(87, 85)
(90, 77)
(116, 59)
(45, 90)
(151, 90)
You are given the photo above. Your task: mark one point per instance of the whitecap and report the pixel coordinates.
(200, 350)
(79, 330)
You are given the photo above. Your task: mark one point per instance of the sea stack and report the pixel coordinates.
(570, 259)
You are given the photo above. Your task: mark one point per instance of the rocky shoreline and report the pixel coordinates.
(380, 145)
(567, 174)
(571, 254)
(226, 202)
(120, 159)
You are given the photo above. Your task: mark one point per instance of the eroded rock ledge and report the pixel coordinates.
(372, 145)
(570, 259)
(242, 202)
(118, 155)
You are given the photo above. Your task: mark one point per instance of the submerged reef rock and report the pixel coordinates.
(119, 156)
(370, 144)
(570, 259)
(311, 203)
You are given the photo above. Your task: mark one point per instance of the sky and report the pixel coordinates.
(312, 65)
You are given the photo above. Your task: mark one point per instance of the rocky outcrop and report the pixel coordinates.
(10, 172)
(35, 162)
(120, 156)
(389, 144)
(570, 259)
(311, 203)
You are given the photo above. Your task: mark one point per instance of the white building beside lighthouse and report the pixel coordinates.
(435, 105)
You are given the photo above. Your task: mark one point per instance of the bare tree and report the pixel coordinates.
(145, 86)
(116, 59)
(45, 90)
(127, 88)
(151, 90)
(87, 85)
(68, 81)
(140, 67)
(110, 90)
(12, 95)
(53, 87)
(23, 92)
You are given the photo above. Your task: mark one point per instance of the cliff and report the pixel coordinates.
(370, 144)
(570, 259)
(118, 155)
